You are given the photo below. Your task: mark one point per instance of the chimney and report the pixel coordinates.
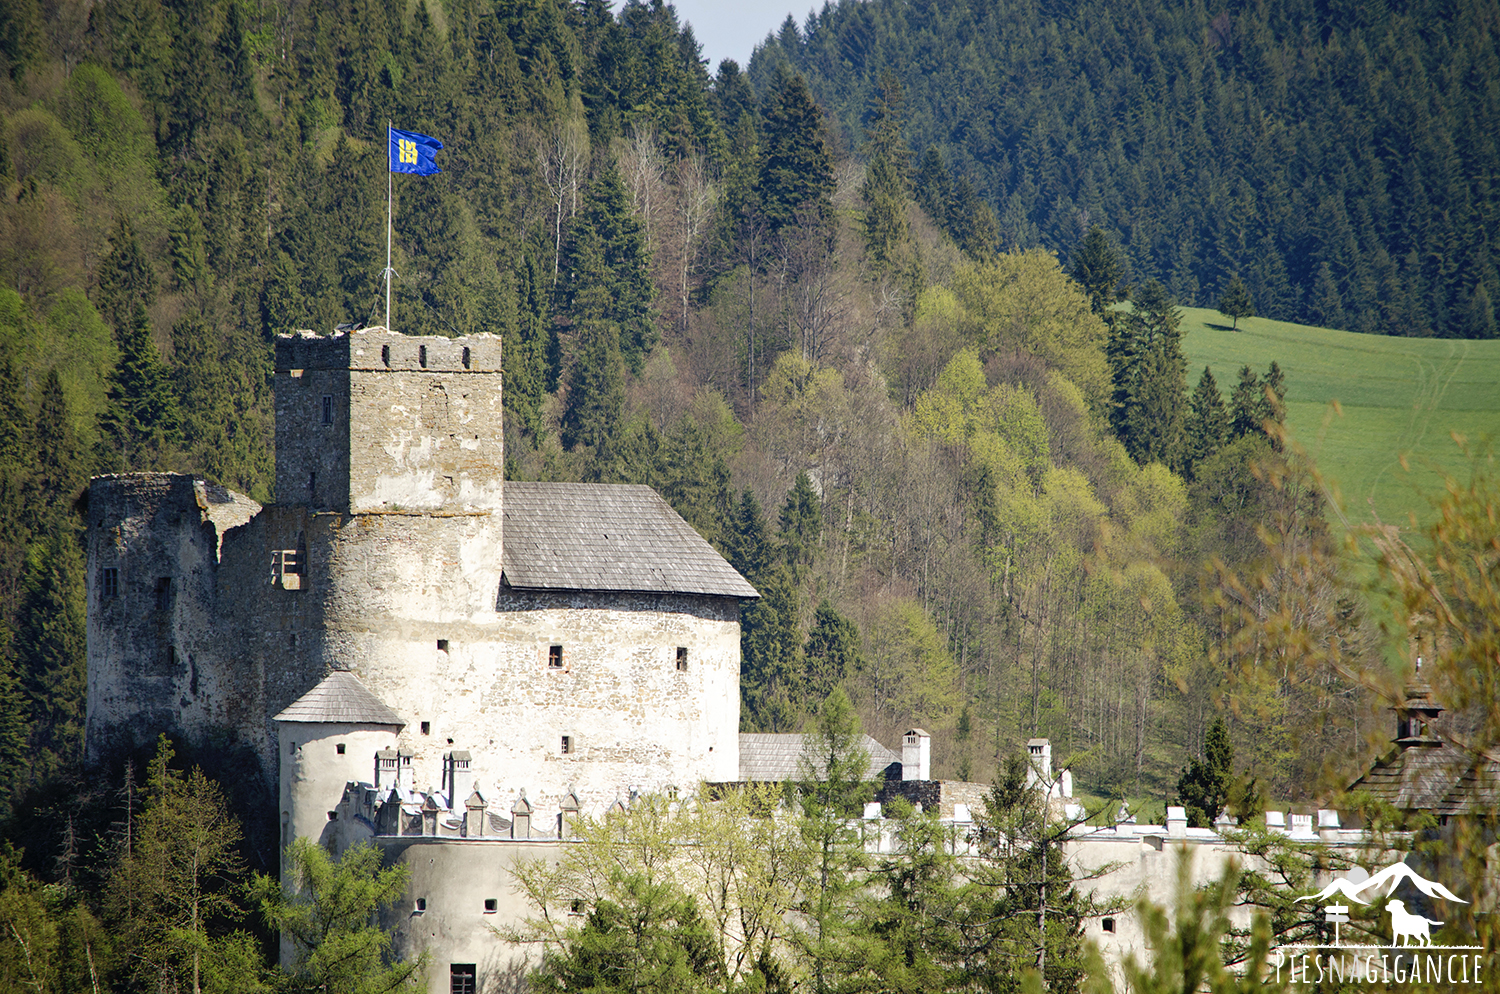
(1039, 752)
(457, 778)
(405, 776)
(916, 755)
(385, 769)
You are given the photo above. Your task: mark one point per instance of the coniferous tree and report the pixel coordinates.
(801, 521)
(1272, 402)
(1246, 405)
(1479, 314)
(795, 176)
(1208, 421)
(771, 671)
(57, 472)
(608, 276)
(142, 417)
(1235, 301)
(51, 648)
(832, 652)
(1204, 785)
(1095, 267)
(1150, 379)
(595, 405)
(887, 176)
(749, 548)
(127, 280)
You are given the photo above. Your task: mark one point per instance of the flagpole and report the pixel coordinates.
(389, 189)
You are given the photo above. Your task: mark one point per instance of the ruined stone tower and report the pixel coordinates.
(566, 635)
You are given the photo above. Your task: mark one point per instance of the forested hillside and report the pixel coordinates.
(972, 489)
(1339, 157)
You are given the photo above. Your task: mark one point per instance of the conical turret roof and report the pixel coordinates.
(340, 698)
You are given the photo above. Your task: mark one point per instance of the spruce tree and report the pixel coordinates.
(1235, 301)
(1246, 405)
(1208, 421)
(609, 277)
(887, 176)
(1151, 384)
(51, 648)
(1479, 314)
(1204, 785)
(126, 279)
(749, 549)
(1095, 266)
(801, 522)
(141, 418)
(832, 652)
(796, 171)
(771, 672)
(595, 405)
(57, 472)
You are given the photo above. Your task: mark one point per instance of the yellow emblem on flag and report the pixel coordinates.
(408, 151)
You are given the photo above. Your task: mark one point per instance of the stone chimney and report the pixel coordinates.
(458, 777)
(385, 769)
(916, 755)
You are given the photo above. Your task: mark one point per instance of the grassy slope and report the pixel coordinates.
(1398, 398)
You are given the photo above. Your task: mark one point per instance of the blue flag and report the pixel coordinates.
(412, 153)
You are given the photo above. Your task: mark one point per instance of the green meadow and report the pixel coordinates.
(1377, 414)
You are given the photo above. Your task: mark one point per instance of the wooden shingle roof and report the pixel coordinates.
(595, 536)
(340, 698)
(770, 757)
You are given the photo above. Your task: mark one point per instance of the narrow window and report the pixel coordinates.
(171, 657)
(328, 408)
(422, 356)
(1109, 925)
(682, 658)
(442, 645)
(554, 657)
(575, 907)
(339, 748)
(109, 582)
(426, 728)
(567, 744)
(291, 748)
(421, 905)
(462, 978)
(291, 641)
(385, 354)
(491, 905)
(312, 484)
(466, 357)
(163, 593)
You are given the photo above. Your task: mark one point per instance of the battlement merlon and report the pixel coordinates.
(379, 349)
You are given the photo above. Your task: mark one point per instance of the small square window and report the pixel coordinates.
(426, 728)
(682, 658)
(442, 645)
(421, 905)
(575, 907)
(491, 905)
(462, 978)
(333, 816)
(339, 748)
(328, 408)
(554, 657)
(1109, 925)
(109, 582)
(567, 744)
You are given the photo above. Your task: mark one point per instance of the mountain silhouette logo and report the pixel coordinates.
(1381, 885)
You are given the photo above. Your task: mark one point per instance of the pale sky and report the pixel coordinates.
(730, 30)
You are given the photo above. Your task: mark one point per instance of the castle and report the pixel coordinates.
(405, 626)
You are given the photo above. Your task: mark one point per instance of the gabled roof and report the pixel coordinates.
(340, 698)
(596, 536)
(771, 757)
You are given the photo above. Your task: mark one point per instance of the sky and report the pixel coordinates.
(730, 30)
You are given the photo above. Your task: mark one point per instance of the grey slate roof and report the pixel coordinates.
(596, 536)
(769, 757)
(340, 697)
